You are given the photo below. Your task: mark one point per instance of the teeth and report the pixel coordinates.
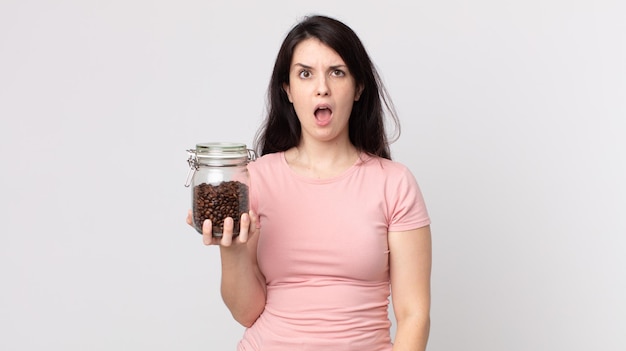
(322, 108)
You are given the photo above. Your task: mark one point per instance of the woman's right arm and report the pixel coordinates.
(243, 286)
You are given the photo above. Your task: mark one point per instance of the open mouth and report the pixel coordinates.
(323, 114)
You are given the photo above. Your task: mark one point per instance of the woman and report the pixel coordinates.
(336, 227)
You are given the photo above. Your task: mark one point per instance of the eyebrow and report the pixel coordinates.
(331, 67)
(302, 65)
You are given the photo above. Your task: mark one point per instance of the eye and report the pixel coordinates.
(304, 74)
(338, 73)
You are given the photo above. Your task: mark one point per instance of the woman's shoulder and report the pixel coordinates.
(266, 161)
(385, 165)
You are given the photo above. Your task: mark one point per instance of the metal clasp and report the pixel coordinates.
(193, 166)
(251, 155)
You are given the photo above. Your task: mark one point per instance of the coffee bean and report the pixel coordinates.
(216, 202)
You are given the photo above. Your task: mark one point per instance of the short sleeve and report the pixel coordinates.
(405, 203)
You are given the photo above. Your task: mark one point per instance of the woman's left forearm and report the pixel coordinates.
(412, 333)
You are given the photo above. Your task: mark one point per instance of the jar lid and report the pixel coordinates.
(221, 150)
(218, 154)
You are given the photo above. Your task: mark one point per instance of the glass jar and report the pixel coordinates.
(219, 179)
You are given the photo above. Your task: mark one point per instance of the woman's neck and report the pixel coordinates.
(321, 160)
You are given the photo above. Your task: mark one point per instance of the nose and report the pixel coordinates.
(322, 87)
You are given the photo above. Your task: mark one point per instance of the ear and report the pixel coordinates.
(286, 89)
(359, 91)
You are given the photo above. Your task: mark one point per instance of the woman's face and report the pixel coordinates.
(322, 91)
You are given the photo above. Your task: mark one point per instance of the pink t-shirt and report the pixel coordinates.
(323, 251)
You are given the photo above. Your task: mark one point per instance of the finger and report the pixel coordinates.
(254, 220)
(189, 219)
(244, 228)
(207, 232)
(227, 233)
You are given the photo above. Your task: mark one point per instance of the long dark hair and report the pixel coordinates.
(281, 128)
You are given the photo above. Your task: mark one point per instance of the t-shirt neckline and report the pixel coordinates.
(363, 158)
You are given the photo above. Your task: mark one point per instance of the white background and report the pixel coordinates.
(513, 122)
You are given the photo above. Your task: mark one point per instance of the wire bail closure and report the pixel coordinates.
(193, 166)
